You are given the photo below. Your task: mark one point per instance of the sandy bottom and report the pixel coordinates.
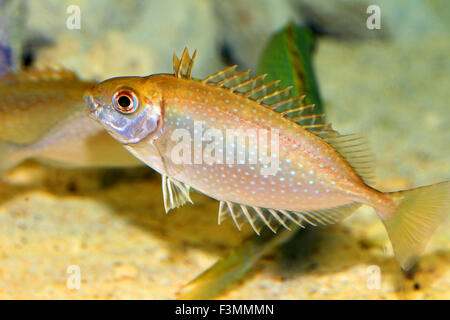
(125, 246)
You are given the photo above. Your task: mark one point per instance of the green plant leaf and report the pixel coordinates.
(288, 57)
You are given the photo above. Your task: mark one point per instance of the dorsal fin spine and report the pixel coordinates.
(309, 117)
(218, 74)
(311, 126)
(191, 63)
(336, 141)
(180, 65)
(232, 77)
(277, 92)
(182, 68)
(262, 87)
(243, 84)
(301, 108)
(284, 102)
(176, 63)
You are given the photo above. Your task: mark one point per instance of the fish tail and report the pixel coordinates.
(9, 156)
(413, 218)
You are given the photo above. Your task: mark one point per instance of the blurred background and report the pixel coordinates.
(389, 84)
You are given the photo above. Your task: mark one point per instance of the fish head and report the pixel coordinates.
(130, 108)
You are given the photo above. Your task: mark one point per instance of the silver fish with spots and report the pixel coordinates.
(321, 176)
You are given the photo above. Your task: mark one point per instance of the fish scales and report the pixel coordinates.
(309, 172)
(320, 176)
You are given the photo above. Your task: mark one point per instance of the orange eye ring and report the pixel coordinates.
(125, 101)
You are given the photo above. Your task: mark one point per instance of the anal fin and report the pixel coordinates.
(258, 217)
(330, 215)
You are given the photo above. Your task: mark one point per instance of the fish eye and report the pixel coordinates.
(125, 101)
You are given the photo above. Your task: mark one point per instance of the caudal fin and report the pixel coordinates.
(417, 214)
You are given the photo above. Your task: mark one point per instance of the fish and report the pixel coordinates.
(43, 116)
(320, 176)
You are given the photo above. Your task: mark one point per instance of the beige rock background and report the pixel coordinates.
(393, 89)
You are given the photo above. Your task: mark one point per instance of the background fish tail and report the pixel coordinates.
(10, 155)
(413, 221)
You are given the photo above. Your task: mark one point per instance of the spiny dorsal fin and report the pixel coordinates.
(271, 96)
(234, 79)
(277, 96)
(38, 74)
(292, 108)
(262, 92)
(182, 68)
(220, 76)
